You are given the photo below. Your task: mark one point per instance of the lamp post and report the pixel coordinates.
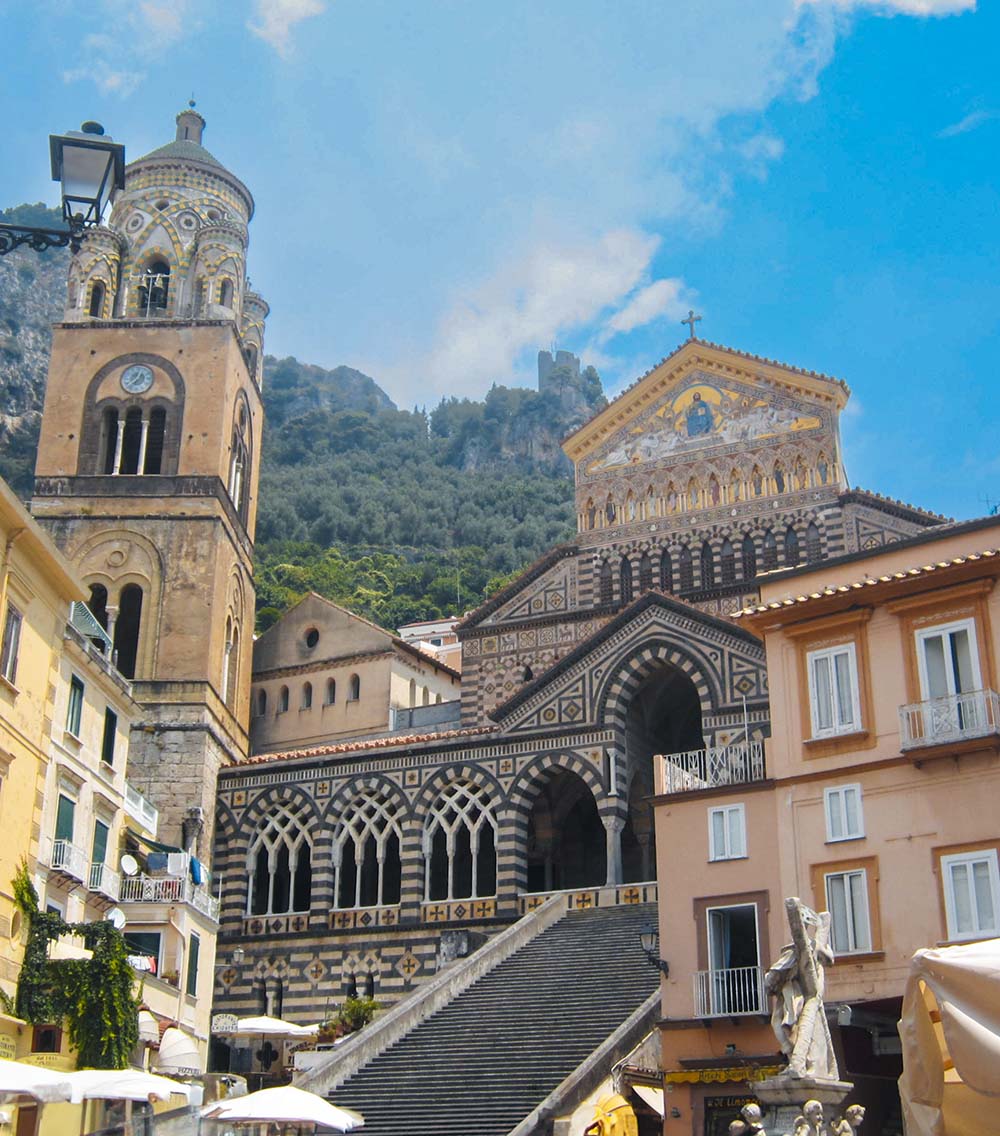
(649, 941)
(91, 167)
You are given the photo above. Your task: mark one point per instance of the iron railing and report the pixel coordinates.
(954, 718)
(141, 810)
(105, 880)
(169, 889)
(66, 857)
(716, 765)
(729, 993)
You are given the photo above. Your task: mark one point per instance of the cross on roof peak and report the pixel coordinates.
(691, 320)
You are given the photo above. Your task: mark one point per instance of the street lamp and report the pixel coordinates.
(649, 941)
(91, 167)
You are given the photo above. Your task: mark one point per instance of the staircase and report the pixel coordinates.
(482, 1063)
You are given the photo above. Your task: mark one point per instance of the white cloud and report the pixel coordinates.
(969, 122)
(277, 18)
(164, 23)
(661, 298)
(107, 81)
(902, 7)
(760, 152)
(547, 292)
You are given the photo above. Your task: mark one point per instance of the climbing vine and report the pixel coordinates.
(96, 996)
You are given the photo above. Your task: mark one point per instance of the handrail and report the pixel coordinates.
(708, 768)
(954, 717)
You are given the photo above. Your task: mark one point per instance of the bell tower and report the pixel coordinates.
(149, 457)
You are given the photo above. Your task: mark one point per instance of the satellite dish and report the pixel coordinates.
(116, 917)
(129, 865)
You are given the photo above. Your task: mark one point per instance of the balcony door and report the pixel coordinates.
(734, 960)
(950, 682)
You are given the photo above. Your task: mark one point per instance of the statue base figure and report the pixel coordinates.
(791, 1090)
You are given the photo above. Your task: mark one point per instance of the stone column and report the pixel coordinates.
(613, 826)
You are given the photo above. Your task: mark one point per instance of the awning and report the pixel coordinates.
(149, 1029)
(652, 1097)
(178, 1054)
(950, 1030)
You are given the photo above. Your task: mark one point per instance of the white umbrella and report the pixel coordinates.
(17, 1078)
(265, 1025)
(284, 1104)
(123, 1084)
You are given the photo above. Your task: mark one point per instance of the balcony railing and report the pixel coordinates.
(104, 880)
(66, 857)
(138, 808)
(712, 767)
(729, 993)
(168, 889)
(954, 718)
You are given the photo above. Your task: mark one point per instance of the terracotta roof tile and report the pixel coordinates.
(363, 746)
(867, 582)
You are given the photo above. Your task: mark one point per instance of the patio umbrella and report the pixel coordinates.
(17, 1078)
(285, 1104)
(264, 1027)
(123, 1084)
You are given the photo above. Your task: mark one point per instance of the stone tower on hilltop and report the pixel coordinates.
(148, 462)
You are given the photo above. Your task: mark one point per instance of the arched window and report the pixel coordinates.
(707, 565)
(307, 695)
(198, 305)
(686, 569)
(460, 858)
(425, 698)
(98, 604)
(366, 852)
(252, 360)
(239, 462)
(261, 702)
(226, 293)
(727, 562)
(154, 288)
(589, 515)
(749, 553)
(354, 688)
(607, 583)
(283, 700)
(127, 629)
(97, 294)
(279, 864)
(109, 439)
(413, 692)
(645, 573)
(791, 546)
(814, 543)
(131, 441)
(666, 572)
(625, 577)
(331, 691)
(232, 663)
(770, 557)
(155, 435)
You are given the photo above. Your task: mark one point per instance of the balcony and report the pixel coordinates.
(66, 858)
(169, 889)
(139, 809)
(949, 720)
(713, 767)
(736, 992)
(104, 880)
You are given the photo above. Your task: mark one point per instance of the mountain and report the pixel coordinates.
(399, 514)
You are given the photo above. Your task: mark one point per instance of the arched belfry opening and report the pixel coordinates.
(567, 847)
(663, 716)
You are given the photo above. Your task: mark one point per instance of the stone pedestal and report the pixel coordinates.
(782, 1092)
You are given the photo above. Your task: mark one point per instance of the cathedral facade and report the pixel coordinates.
(363, 866)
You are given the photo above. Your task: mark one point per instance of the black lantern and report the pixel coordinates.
(91, 168)
(649, 939)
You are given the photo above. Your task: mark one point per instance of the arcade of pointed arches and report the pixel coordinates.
(639, 499)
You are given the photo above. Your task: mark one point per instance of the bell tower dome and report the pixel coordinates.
(149, 455)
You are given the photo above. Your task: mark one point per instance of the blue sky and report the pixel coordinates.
(444, 187)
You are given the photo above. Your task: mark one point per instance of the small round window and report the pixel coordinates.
(312, 637)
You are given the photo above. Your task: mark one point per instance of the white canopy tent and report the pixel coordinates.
(285, 1104)
(950, 1030)
(19, 1079)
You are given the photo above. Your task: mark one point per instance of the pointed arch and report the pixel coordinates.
(707, 565)
(625, 580)
(685, 569)
(814, 543)
(769, 559)
(606, 583)
(791, 547)
(645, 573)
(460, 842)
(279, 865)
(367, 850)
(666, 572)
(748, 554)
(727, 562)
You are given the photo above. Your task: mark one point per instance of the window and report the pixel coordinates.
(354, 689)
(279, 863)
(732, 983)
(65, 814)
(367, 852)
(307, 696)
(948, 659)
(99, 848)
(11, 643)
(847, 902)
(707, 565)
(727, 833)
(127, 629)
(606, 583)
(145, 944)
(97, 294)
(791, 547)
(844, 815)
(194, 950)
(770, 557)
(749, 556)
(110, 733)
(971, 894)
(645, 573)
(666, 572)
(625, 576)
(331, 691)
(727, 562)
(833, 691)
(261, 703)
(814, 543)
(74, 712)
(686, 569)
(283, 700)
(460, 858)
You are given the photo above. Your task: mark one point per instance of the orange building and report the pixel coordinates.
(874, 798)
